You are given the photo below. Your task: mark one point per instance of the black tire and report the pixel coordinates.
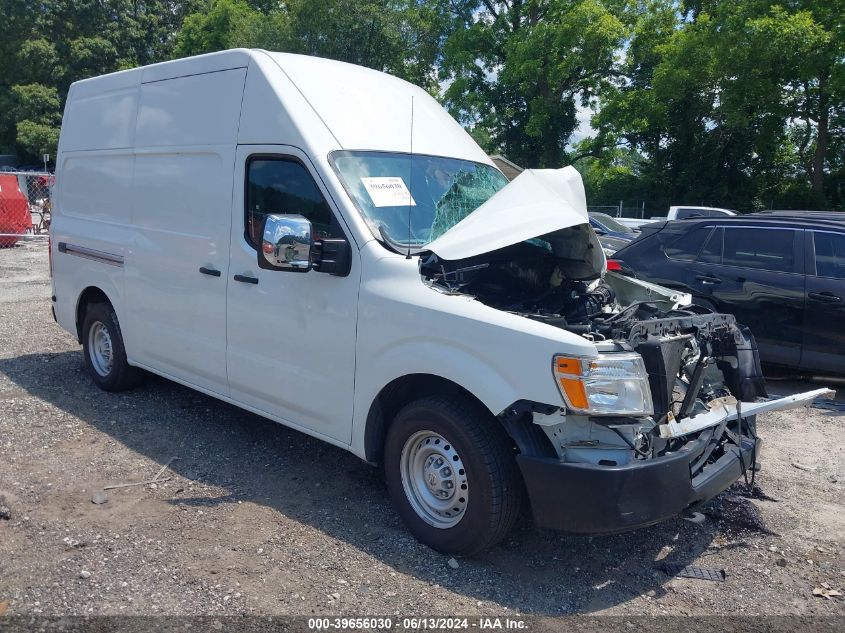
(487, 454)
(121, 376)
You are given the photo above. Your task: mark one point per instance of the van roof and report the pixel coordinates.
(287, 97)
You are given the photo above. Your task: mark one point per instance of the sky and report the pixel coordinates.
(584, 128)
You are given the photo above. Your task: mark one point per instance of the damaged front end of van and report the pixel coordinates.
(661, 418)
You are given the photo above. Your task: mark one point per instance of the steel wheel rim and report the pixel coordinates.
(100, 348)
(434, 479)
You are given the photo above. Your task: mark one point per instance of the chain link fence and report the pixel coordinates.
(25, 206)
(640, 210)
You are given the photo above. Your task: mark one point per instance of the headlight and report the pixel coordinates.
(611, 384)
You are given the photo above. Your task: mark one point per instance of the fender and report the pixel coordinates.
(406, 327)
(73, 287)
(439, 358)
(104, 285)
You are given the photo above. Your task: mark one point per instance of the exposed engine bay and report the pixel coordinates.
(697, 361)
(554, 278)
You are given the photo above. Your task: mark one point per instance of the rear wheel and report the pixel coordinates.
(105, 355)
(451, 474)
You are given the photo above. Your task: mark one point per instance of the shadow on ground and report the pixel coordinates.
(334, 492)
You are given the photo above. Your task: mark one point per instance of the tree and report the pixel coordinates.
(228, 24)
(519, 69)
(398, 36)
(52, 43)
(36, 111)
(807, 47)
(731, 103)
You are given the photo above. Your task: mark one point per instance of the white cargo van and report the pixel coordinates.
(323, 245)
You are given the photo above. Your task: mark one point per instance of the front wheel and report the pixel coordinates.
(451, 474)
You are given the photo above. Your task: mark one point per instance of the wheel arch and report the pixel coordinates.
(395, 395)
(515, 419)
(91, 294)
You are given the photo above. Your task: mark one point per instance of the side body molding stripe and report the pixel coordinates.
(89, 253)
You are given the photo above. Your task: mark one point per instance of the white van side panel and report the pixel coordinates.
(181, 218)
(96, 186)
(208, 63)
(92, 194)
(100, 113)
(406, 327)
(94, 197)
(176, 318)
(195, 110)
(275, 112)
(367, 109)
(73, 273)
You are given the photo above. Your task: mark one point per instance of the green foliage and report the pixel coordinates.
(732, 103)
(727, 102)
(616, 176)
(397, 36)
(227, 24)
(52, 43)
(35, 107)
(37, 138)
(518, 70)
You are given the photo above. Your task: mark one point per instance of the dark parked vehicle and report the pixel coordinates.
(782, 274)
(604, 224)
(612, 235)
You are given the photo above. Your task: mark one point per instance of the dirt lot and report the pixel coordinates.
(254, 518)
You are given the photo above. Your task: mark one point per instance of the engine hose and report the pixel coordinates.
(590, 303)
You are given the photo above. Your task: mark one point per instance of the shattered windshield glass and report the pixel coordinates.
(438, 192)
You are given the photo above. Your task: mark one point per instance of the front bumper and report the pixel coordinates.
(577, 497)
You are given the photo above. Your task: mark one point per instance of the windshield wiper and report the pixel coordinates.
(398, 247)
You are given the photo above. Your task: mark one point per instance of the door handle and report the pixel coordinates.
(708, 279)
(827, 297)
(209, 271)
(245, 279)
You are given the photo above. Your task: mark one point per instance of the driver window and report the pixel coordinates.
(280, 185)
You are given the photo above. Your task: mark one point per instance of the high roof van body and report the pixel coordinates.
(323, 245)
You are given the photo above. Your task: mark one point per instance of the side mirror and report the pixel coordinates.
(599, 231)
(332, 256)
(285, 243)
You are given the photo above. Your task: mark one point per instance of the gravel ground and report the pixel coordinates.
(253, 518)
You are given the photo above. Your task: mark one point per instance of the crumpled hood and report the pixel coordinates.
(535, 203)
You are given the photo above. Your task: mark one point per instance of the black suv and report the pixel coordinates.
(782, 274)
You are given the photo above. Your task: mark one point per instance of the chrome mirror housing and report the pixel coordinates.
(286, 243)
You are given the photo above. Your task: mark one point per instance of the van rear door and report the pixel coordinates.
(291, 335)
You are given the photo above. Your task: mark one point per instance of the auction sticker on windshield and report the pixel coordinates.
(388, 191)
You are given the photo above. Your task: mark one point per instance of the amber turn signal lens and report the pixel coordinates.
(575, 392)
(571, 366)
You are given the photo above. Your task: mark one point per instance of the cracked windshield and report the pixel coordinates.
(439, 192)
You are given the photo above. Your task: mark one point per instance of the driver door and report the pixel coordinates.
(291, 335)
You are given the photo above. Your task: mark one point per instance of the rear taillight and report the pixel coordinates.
(618, 266)
(50, 254)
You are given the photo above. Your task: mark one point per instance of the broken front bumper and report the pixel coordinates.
(577, 497)
(728, 410)
(586, 497)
